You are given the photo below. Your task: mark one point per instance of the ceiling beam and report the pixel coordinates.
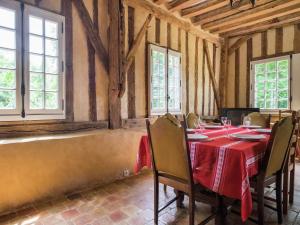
(181, 4)
(169, 17)
(203, 8)
(266, 17)
(225, 11)
(251, 13)
(258, 28)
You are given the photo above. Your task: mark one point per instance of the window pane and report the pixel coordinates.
(52, 65)
(36, 81)
(283, 65)
(7, 18)
(271, 66)
(51, 82)
(260, 68)
(283, 104)
(283, 84)
(51, 47)
(7, 79)
(51, 29)
(7, 38)
(271, 76)
(283, 94)
(173, 83)
(260, 77)
(271, 85)
(7, 59)
(36, 63)
(51, 100)
(36, 44)
(35, 25)
(7, 99)
(260, 86)
(283, 74)
(36, 100)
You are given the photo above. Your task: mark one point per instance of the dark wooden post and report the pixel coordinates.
(115, 68)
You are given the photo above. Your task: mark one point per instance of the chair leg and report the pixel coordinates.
(156, 199)
(279, 196)
(292, 185)
(285, 190)
(191, 209)
(165, 188)
(260, 204)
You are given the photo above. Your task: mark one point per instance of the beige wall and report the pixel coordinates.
(289, 46)
(33, 169)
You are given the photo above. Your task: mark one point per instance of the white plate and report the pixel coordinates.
(197, 137)
(191, 130)
(214, 126)
(251, 126)
(249, 137)
(264, 131)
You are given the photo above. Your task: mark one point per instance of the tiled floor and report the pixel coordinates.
(125, 202)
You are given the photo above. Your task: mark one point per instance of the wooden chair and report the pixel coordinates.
(272, 167)
(289, 170)
(192, 120)
(172, 165)
(260, 120)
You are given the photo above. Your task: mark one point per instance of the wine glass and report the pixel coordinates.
(224, 120)
(228, 124)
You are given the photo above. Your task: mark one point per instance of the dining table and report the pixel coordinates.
(222, 163)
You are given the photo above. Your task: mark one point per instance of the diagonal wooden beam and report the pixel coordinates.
(131, 53)
(257, 28)
(265, 17)
(92, 32)
(238, 44)
(181, 4)
(159, 2)
(225, 11)
(212, 74)
(136, 43)
(258, 11)
(203, 8)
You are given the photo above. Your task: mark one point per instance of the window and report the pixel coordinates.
(270, 84)
(31, 63)
(165, 80)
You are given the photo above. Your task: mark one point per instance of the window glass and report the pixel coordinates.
(271, 84)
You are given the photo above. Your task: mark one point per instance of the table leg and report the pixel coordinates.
(221, 212)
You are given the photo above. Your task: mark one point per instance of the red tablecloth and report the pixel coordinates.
(223, 165)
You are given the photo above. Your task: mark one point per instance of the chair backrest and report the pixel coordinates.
(192, 120)
(169, 148)
(259, 119)
(285, 113)
(279, 145)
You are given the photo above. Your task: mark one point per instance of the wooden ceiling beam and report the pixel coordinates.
(92, 33)
(169, 17)
(258, 28)
(203, 8)
(225, 11)
(181, 4)
(250, 14)
(259, 19)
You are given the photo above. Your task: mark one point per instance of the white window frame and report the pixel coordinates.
(15, 6)
(166, 52)
(46, 114)
(252, 81)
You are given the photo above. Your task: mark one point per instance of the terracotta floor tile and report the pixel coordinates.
(118, 216)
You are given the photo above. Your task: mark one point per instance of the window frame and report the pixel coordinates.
(22, 50)
(47, 113)
(252, 81)
(15, 6)
(166, 52)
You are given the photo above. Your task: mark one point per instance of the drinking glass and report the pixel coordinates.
(228, 124)
(224, 120)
